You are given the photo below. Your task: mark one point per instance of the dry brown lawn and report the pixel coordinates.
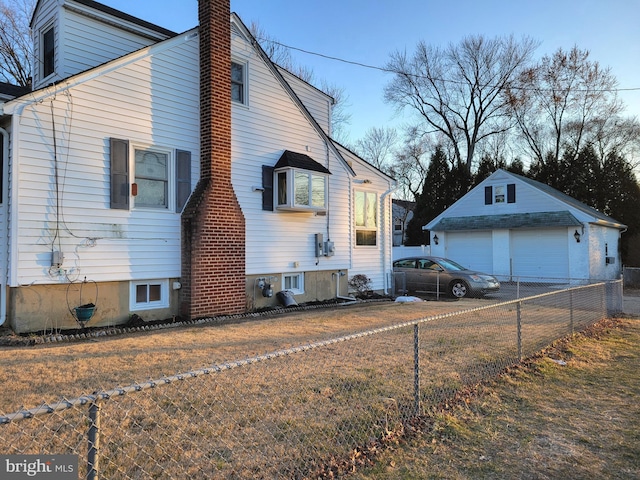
(32, 375)
(579, 420)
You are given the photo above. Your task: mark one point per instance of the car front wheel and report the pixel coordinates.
(459, 289)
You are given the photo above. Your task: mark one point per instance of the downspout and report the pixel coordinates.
(4, 157)
(339, 274)
(383, 237)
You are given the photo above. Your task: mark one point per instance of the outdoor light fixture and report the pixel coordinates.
(435, 239)
(576, 235)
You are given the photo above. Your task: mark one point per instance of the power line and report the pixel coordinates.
(389, 70)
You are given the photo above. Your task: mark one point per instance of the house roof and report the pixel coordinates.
(300, 160)
(118, 14)
(569, 200)
(568, 206)
(9, 91)
(508, 221)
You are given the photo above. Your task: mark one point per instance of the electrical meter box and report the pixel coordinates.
(329, 249)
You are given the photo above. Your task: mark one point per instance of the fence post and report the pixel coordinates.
(571, 327)
(94, 441)
(416, 368)
(519, 322)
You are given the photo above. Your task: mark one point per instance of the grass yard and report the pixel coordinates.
(542, 421)
(32, 375)
(293, 415)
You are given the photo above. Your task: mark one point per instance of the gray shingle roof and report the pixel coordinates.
(509, 221)
(300, 160)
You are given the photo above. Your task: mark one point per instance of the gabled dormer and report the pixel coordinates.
(71, 36)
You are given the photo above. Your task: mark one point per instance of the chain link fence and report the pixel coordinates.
(305, 411)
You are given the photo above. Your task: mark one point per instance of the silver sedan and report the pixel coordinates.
(441, 275)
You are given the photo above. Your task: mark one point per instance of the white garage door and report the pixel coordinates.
(473, 250)
(540, 254)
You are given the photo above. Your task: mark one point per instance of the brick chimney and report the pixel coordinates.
(213, 228)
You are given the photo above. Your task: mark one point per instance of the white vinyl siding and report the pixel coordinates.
(282, 241)
(100, 243)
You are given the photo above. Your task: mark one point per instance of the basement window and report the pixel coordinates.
(149, 294)
(294, 282)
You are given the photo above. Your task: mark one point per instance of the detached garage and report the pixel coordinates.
(513, 226)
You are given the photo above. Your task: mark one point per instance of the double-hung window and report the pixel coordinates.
(156, 178)
(238, 82)
(366, 218)
(152, 178)
(500, 194)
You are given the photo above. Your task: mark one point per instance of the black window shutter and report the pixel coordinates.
(488, 195)
(267, 185)
(119, 156)
(511, 193)
(183, 178)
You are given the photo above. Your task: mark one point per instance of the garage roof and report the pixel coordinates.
(509, 221)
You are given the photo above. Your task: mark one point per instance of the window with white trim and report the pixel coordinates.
(239, 82)
(149, 294)
(294, 282)
(366, 218)
(151, 169)
(161, 176)
(299, 189)
(48, 52)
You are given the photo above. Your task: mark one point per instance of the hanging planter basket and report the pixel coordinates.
(85, 311)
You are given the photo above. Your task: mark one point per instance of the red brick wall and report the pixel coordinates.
(213, 230)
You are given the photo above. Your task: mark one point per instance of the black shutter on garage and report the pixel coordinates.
(183, 178)
(511, 193)
(267, 186)
(119, 171)
(488, 195)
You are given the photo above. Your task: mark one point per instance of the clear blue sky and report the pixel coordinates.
(367, 31)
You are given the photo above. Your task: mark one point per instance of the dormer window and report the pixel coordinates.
(48, 52)
(301, 183)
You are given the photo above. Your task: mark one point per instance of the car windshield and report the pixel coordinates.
(449, 264)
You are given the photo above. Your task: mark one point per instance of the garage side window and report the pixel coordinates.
(366, 215)
(500, 194)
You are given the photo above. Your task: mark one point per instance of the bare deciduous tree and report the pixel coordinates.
(567, 102)
(457, 91)
(377, 146)
(16, 51)
(281, 56)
